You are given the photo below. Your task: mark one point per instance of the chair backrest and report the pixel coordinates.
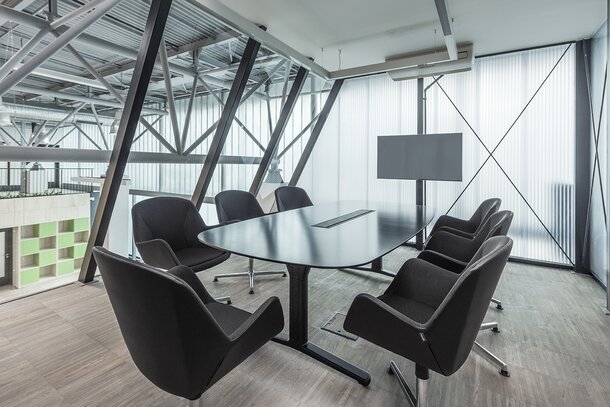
(485, 210)
(172, 338)
(288, 198)
(455, 324)
(497, 224)
(234, 205)
(175, 220)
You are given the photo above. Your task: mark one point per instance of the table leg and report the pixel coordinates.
(299, 325)
(376, 267)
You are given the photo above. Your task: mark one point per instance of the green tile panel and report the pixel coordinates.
(47, 257)
(81, 224)
(65, 267)
(78, 250)
(47, 229)
(30, 246)
(65, 240)
(29, 275)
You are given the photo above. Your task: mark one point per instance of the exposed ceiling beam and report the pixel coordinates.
(41, 154)
(443, 16)
(406, 61)
(251, 30)
(19, 7)
(77, 98)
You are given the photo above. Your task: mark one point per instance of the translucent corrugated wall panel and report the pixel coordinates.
(597, 238)
(343, 165)
(534, 173)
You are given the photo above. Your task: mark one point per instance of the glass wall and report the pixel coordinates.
(518, 105)
(521, 105)
(596, 243)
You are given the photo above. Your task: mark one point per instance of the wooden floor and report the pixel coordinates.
(63, 348)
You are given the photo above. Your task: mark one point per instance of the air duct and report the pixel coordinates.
(463, 63)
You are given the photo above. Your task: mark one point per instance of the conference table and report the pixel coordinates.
(326, 236)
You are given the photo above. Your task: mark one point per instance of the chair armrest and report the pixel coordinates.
(455, 231)
(158, 253)
(451, 245)
(442, 261)
(266, 322)
(377, 322)
(422, 281)
(455, 223)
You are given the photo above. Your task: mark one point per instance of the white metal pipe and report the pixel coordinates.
(16, 59)
(16, 154)
(77, 98)
(17, 76)
(23, 18)
(76, 13)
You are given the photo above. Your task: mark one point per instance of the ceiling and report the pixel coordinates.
(348, 33)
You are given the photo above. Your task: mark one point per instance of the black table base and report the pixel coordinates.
(299, 325)
(376, 267)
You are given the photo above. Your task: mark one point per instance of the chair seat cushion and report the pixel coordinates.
(198, 258)
(415, 310)
(229, 318)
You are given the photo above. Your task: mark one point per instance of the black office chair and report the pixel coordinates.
(177, 335)
(165, 231)
(234, 206)
(467, 228)
(429, 315)
(288, 198)
(453, 252)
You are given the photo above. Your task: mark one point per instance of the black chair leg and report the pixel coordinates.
(420, 399)
(195, 403)
(481, 350)
(493, 326)
(498, 303)
(251, 273)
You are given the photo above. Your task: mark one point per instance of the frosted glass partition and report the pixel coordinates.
(534, 173)
(343, 165)
(522, 106)
(536, 158)
(596, 240)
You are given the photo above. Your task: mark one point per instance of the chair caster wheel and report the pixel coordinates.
(284, 275)
(251, 291)
(500, 307)
(229, 302)
(390, 371)
(215, 280)
(504, 373)
(495, 330)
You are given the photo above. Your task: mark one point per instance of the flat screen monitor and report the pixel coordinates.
(427, 157)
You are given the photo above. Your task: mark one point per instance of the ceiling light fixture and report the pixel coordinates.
(114, 127)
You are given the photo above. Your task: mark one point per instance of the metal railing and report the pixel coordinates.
(39, 181)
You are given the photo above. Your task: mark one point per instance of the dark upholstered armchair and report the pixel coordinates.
(429, 315)
(235, 206)
(288, 198)
(165, 231)
(467, 228)
(178, 336)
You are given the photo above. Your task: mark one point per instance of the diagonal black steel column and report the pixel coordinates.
(582, 158)
(149, 46)
(315, 133)
(226, 119)
(420, 184)
(285, 114)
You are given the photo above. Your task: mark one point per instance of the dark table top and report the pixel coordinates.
(290, 237)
